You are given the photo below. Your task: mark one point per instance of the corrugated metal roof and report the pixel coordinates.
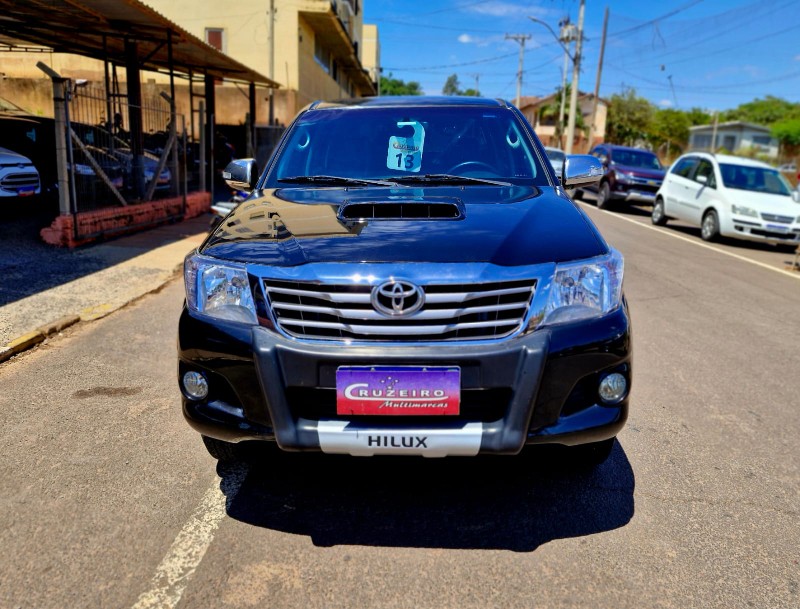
(92, 27)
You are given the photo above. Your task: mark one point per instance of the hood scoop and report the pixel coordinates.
(427, 209)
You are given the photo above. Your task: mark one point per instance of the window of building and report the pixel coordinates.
(322, 56)
(215, 37)
(701, 142)
(729, 142)
(762, 140)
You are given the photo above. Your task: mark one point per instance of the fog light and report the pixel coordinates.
(195, 385)
(613, 388)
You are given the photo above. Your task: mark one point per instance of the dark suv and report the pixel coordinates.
(407, 277)
(631, 174)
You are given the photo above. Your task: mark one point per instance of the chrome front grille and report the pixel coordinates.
(474, 311)
(775, 218)
(16, 181)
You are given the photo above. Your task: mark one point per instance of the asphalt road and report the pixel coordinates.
(107, 499)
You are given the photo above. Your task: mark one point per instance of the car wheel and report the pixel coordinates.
(709, 230)
(658, 216)
(589, 455)
(577, 194)
(604, 196)
(223, 451)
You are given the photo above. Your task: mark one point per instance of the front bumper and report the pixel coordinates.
(765, 232)
(537, 388)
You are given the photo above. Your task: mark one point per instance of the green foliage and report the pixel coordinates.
(395, 86)
(787, 131)
(763, 111)
(550, 113)
(629, 118)
(671, 127)
(451, 85)
(698, 116)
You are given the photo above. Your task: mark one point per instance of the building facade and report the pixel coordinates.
(542, 114)
(315, 49)
(735, 137)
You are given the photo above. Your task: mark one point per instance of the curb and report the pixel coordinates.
(31, 339)
(26, 341)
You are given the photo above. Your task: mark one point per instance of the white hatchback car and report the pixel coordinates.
(729, 196)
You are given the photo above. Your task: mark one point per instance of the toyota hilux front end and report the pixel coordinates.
(407, 277)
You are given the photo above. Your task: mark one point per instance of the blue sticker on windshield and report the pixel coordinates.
(405, 153)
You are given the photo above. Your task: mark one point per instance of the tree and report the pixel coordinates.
(629, 118)
(698, 116)
(787, 132)
(763, 111)
(471, 93)
(395, 86)
(451, 85)
(670, 127)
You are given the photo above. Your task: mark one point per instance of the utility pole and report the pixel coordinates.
(477, 77)
(520, 38)
(576, 69)
(567, 35)
(593, 126)
(271, 16)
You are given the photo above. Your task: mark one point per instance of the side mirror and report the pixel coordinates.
(796, 196)
(702, 179)
(603, 159)
(241, 174)
(581, 169)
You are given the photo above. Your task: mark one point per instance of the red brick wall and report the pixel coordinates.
(112, 222)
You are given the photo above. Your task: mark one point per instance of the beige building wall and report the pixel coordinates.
(245, 37)
(371, 51)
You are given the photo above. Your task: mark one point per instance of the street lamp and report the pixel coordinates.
(568, 35)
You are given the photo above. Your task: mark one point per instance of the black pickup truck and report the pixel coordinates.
(407, 277)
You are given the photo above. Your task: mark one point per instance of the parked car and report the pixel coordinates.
(18, 175)
(556, 157)
(407, 277)
(729, 196)
(631, 175)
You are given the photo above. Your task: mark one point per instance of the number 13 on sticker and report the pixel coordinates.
(405, 153)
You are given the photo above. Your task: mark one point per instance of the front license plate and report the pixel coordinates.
(778, 228)
(398, 390)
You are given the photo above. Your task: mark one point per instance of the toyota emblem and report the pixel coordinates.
(397, 298)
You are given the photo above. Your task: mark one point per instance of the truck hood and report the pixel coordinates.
(509, 226)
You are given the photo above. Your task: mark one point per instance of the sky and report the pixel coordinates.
(711, 54)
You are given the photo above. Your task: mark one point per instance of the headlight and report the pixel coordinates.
(83, 170)
(585, 289)
(744, 211)
(220, 290)
(624, 177)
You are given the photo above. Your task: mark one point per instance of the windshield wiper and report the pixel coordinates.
(448, 178)
(321, 179)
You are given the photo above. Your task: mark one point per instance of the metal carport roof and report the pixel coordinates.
(99, 29)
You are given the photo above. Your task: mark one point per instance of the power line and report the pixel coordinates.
(673, 12)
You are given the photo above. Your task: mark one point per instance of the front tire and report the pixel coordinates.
(658, 217)
(604, 196)
(709, 229)
(223, 451)
(587, 456)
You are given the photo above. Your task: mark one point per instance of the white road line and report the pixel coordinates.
(661, 231)
(184, 555)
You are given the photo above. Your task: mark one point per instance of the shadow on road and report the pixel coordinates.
(479, 503)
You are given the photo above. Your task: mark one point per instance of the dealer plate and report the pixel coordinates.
(398, 390)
